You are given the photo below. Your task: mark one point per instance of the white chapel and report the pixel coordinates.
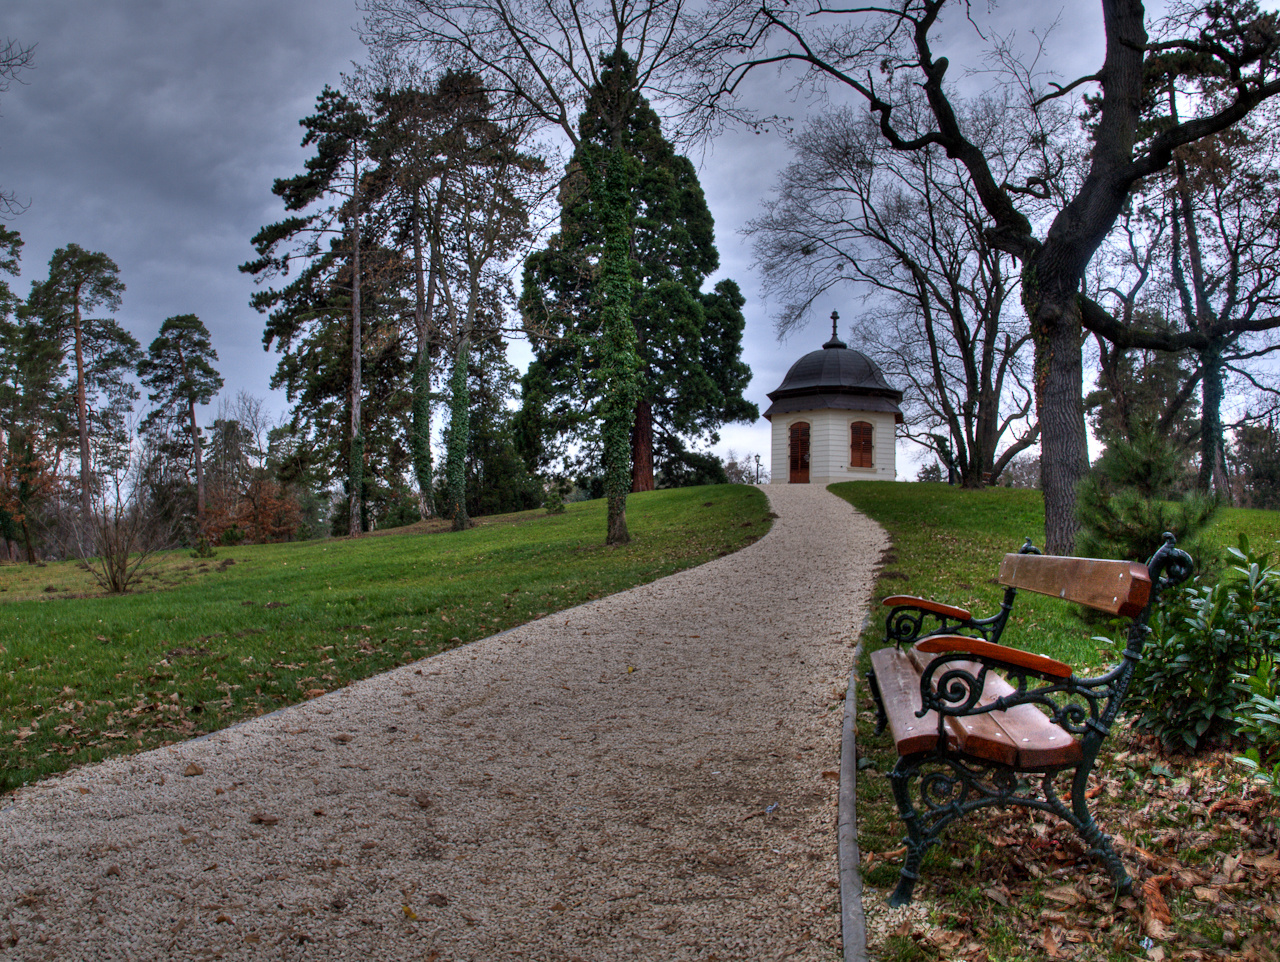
(834, 418)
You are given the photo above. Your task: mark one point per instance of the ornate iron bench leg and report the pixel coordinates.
(917, 841)
(1099, 843)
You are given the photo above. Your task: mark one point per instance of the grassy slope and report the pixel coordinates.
(948, 542)
(84, 676)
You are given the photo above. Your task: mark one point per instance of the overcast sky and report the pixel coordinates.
(152, 130)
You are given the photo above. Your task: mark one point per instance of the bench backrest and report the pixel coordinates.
(1117, 587)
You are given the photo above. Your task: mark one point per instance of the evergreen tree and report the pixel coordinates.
(689, 376)
(329, 241)
(497, 480)
(179, 369)
(1255, 456)
(423, 135)
(482, 218)
(81, 281)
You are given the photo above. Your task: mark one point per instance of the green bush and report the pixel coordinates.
(1134, 494)
(203, 548)
(1259, 716)
(1187, 689)
(554, 501)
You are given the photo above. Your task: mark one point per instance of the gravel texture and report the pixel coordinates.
(652, 775)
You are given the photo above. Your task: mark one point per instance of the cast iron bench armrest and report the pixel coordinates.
(907, 621)
(997, 656)
(924, 604)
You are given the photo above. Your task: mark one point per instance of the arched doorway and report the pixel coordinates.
(799, 453)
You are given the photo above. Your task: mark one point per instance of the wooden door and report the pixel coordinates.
(799, 448)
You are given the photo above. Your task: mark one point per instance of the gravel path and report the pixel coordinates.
(652, 775)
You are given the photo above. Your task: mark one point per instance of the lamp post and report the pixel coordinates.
(757, 469)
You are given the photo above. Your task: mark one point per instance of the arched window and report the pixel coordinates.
(860, 449)
(799, 453)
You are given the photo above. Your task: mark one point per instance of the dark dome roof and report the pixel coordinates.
(834, 377)
(833, 367)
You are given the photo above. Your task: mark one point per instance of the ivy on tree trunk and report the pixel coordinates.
(459, 433)
(619, 363)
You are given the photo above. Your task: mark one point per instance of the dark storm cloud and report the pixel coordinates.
(152, 130)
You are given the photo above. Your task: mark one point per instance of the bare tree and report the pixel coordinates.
(943, 316)
(124, 530)
(856, 47)
(14, 58)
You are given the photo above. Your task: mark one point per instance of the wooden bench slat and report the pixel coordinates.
(899, 684)
(949, 611)
(1118, 587)
(1021, 737)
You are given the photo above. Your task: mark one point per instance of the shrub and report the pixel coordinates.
(554, 502)
(1133, 495)
(1259, 716)
(1186, 690)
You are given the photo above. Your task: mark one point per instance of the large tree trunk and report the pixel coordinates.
(642, 448)
(459, 435)
(82, 417)
(420, 442)
(619, 363)
(1213, 462)
(1059, 375)
(199, 463)
(355, 468)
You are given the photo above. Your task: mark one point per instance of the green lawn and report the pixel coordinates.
(948, 542)
(209, 642)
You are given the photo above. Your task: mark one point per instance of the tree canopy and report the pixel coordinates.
(688, 342)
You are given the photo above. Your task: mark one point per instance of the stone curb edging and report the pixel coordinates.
(853, 921)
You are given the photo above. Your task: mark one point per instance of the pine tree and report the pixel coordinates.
(330, 241)
(423, 134)
(81, 281)
(689, 376)
(179, 369)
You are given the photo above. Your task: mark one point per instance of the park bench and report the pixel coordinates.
(977, 723)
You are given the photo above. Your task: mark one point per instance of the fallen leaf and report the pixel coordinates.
(192, 770)
(341, 739)
(261, 819)
(1065, 894)
(1156, 906)
(997, 896)
(438, 900)
(1050, 943)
